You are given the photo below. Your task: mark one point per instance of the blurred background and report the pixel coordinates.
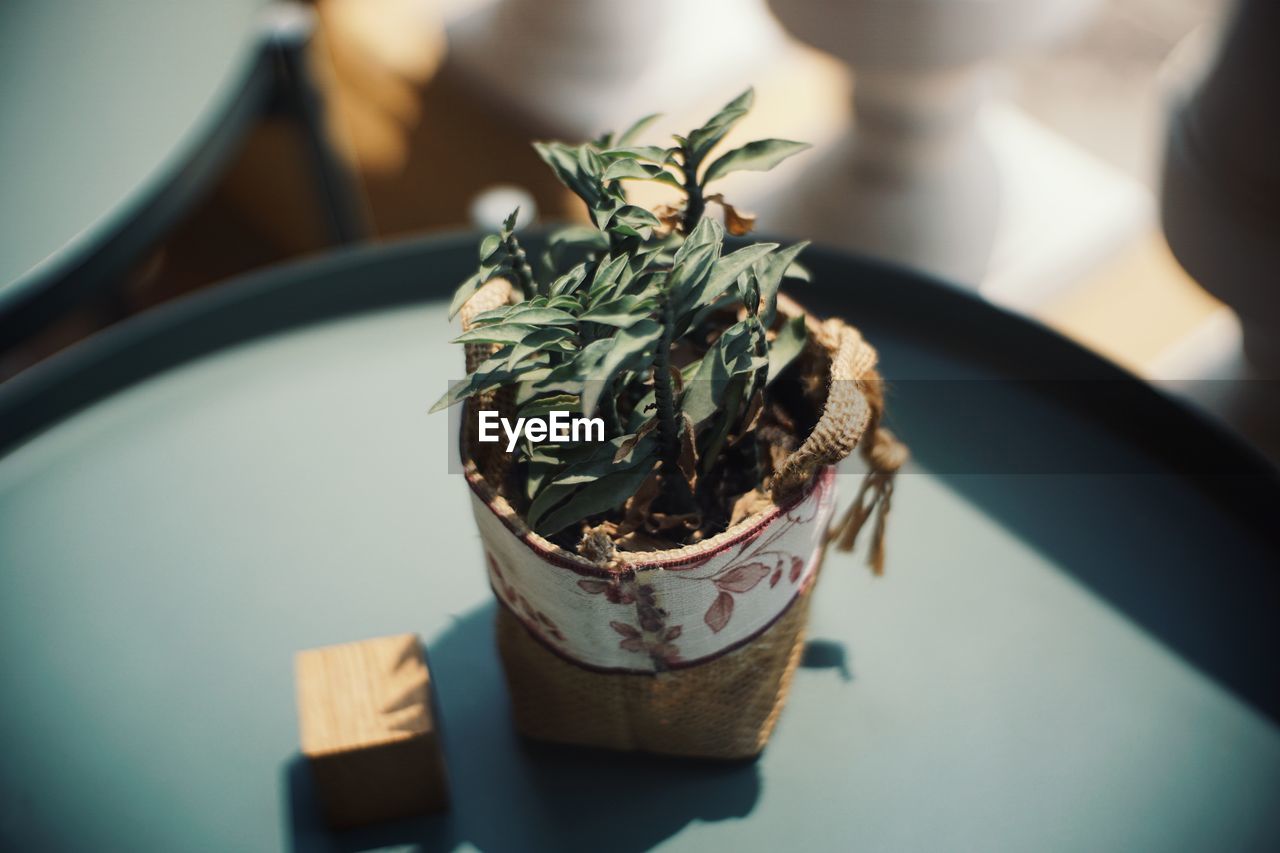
(1023, 149)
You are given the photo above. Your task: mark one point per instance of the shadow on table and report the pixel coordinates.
(510, 794)
(827, 654)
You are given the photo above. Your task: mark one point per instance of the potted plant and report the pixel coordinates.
(654, 568)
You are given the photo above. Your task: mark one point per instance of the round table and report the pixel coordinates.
(1073, 647)
(115, 114)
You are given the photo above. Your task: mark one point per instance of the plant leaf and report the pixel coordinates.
(623, 312)
(692, 264)
(607, 275)
(557, 507)
(728, 357)
(705, 138)
(509, 224)
(510, 333)
(649, 153)
(489, 248)
(491, 374)
(626, 169)
(571, 375)
(769, 274)
(519, 314)
(629, 442)
(704, 390)
(542, 406)
(759, 156)
(468, 288)
(724, 273)
(571, 245)
(629, 135)
(688, 459)
(736, 222)
(707, 232)
(568, 282)
(732, 265)
(728, 414)
(632, 221)
(567, 163)
(787, 346)
(630, 349)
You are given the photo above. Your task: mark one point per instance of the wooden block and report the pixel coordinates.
(369, 733)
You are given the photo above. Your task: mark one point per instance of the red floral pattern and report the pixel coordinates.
(719, 613)
(755, 561)
(662, 650)
(662, 615)
(615, 589)
(533, 618)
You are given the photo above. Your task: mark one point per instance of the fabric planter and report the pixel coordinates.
(688, 651)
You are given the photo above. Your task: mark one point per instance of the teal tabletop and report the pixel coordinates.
(1061, 656)
(105, 104)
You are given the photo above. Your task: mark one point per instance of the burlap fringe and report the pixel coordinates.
(854, 408)
(886, 455)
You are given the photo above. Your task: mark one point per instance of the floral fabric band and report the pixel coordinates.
(686, 607)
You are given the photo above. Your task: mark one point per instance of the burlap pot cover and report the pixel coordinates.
(688, 651)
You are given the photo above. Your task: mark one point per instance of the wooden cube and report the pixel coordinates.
(369, 732)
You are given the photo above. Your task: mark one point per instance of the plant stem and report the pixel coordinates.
(695, 205)
(520, 264)
(676, 495)
(664, 394)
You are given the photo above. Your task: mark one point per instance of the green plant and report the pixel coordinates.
(645, 320)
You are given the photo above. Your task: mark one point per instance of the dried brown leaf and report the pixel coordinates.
(635, 511)
(625, 448)
(639, 540)
(748, 505)
(662, 521)
(688, 460)
(736, 222)
(669, 219)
